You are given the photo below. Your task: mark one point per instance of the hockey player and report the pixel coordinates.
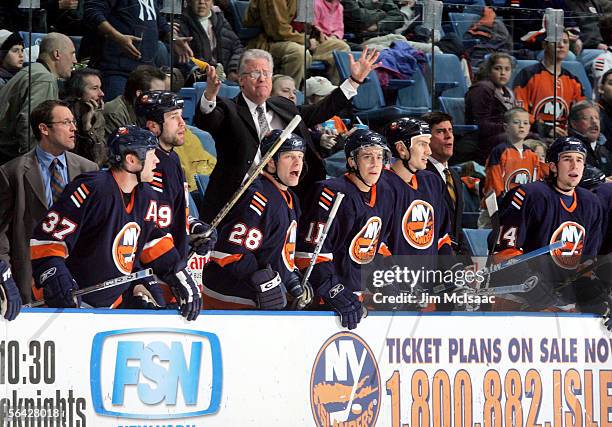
(161, 113)
(254, 260)
(98, 230)
(537, 214)
(360, 226)
(10, 299)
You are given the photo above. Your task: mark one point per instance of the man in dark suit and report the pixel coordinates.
(442, 145)
(239, 124)
(30, 183)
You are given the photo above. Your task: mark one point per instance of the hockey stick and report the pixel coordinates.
(522, 258)
(111, 283)
(306, 298)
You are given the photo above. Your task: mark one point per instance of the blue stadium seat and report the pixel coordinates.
(587, 56)
(520, 64)
(239, 9)
(77, 42)
(577, 69)
(369, 103)
(36, 38)
(477, 241)
(461, 22)
(193, 208)
(206, 139)
(300, 97)
(449, 77)
(415, 99)
(202, 183)
(455, 107)
(189, 97)
(570, 56)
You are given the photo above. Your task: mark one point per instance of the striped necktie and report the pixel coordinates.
(450, 186)
(57, 182)
(264, 128)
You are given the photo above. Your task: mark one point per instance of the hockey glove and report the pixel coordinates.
(269, 290)
(57, 283)
(199, 242)
(10, 299)
(186, 292)
(146, 295)
(343, 301)
(542, 294)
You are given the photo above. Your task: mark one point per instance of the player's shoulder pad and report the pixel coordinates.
(83, 187)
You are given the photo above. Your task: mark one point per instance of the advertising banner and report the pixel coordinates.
(145, 368)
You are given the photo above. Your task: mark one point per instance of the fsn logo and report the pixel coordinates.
(345, 383)
(156, 373)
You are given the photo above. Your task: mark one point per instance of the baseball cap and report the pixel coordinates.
(318, 85)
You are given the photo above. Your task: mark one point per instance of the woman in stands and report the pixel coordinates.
(11, 55)
(487, 100)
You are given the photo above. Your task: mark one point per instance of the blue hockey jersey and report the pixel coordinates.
(100, 237)
(260, 230)
(604, 193)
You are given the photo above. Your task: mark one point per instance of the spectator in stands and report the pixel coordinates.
(329, 18)
(540, 149)
(237, 125)
(442, 146)
(29, 185)
(584, 125)
(85, 97)
(55, 61)
(285, 43)
(369, 18)
(486, 102)
(317, 88)
(603, 62)
(120, 111)
(284, 86)
(11, 55)
(213, 39)
(586, 15)
(605, 106)
(534, 90)
(65, 16)
(130, 31)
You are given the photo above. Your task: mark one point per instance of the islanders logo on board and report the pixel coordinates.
(345, 387)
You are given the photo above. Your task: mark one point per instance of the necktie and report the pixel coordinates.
(450, 186)
(263, 122)
(57, 182)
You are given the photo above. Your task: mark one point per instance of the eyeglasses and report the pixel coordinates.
(66, 122)
(257, 74)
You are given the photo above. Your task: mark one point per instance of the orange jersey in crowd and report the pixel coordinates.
(533, 89)
(507, 168)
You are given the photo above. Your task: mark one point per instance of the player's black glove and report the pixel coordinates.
(269, 289)
(145, 295)
(343, 301)
(302, 294)
(186, 292)
(198, 240)
(57, 283)
(542, 294)
(10, 299)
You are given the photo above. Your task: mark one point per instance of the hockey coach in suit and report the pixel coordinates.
(238, 125)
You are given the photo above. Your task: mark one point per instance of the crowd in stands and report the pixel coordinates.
(97, 57)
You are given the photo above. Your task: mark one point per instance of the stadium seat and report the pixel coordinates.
(477, 241)
(300, 97)
(239, 9)
(369, 103)
(206, 139)
(570, 56)
(415, 98)
(190, 99)
(193, 208)
(520, 64)
(36, 38)
(76, 40)
(455, 107)
(226, 91)
(449, 77)
(461, 22)
(587, 56)
(577, 69)
(202, 183)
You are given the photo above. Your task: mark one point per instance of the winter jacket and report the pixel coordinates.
(361, 14)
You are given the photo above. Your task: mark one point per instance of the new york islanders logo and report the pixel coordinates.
(545, 109)
(518, 177)
(418, 224)
(124, 247)
(573, 236)
(288, 254)
(345, 383)
(365, 244)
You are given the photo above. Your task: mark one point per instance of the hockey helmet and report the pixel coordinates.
(130, 139)
(592, 177)
(564, 144)
(152, 105)
(364, 138)
(404, 130)
(292, 143)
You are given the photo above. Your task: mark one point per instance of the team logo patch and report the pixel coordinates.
(418, 224)
(365, 244)
(288, 254)
(518, 177)
(545, 109)
(573, 236)
(345, 383)
(124, 247)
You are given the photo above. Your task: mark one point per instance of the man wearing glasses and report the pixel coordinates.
(238, 125)
(32, 182)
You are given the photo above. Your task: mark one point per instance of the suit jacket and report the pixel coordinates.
(456, 212)
(233, 129)
(22, 205)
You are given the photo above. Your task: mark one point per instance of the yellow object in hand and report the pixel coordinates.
(201, 64)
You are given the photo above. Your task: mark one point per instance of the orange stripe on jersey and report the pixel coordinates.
(47, 250)
(226, 260)
(157, 184)
(325, 201)
(261, 196)
(117, 302)
(156, 249)
(384, 250)
(302, 263)
(521, 192)
(37, 293)
(446, 240)
(85, 189)
(257, 205)
(78, 196)
(328, 191)
(573, 206)
(157, 174)
(517, 200)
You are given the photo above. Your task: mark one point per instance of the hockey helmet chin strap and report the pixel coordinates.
(357, 173)
(406, 162)
(280, 181)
